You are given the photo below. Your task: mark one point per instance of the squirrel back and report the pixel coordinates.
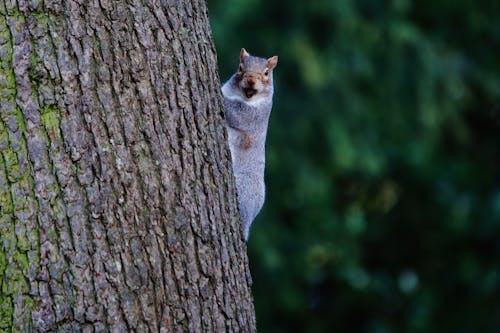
(248, 98)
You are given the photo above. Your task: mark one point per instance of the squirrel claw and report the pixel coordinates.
(246, 141)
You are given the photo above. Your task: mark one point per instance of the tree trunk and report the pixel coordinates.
(118, 204)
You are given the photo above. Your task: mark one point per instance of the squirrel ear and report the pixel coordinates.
(243, 53)
(272, 62)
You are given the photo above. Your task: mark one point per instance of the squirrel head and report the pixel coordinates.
(255, 74)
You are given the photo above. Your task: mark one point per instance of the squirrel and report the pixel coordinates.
(248, 99)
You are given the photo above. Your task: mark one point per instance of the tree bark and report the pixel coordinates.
(118, 204)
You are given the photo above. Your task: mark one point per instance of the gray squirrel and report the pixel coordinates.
(248, 99)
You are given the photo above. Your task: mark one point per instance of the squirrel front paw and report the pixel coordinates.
(246, 140)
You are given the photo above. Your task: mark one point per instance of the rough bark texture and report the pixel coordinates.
(118, 208)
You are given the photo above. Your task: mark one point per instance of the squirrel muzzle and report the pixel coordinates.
(249, 92)
(251, 80)
(251, 85)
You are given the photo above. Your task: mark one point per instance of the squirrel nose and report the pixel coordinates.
(251, 80)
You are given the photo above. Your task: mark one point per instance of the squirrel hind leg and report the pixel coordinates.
(246, 233)
(251, 193)
(246, 220)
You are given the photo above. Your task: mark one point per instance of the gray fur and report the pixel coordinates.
(248, 118)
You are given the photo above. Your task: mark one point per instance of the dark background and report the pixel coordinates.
(383, 163)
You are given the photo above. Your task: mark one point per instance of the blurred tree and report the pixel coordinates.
(383, 204)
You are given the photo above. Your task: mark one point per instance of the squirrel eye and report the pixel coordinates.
(241, 68)
(266, 72)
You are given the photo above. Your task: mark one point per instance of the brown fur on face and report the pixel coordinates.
(255, 74)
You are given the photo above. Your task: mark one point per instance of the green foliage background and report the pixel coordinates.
(383, 163)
